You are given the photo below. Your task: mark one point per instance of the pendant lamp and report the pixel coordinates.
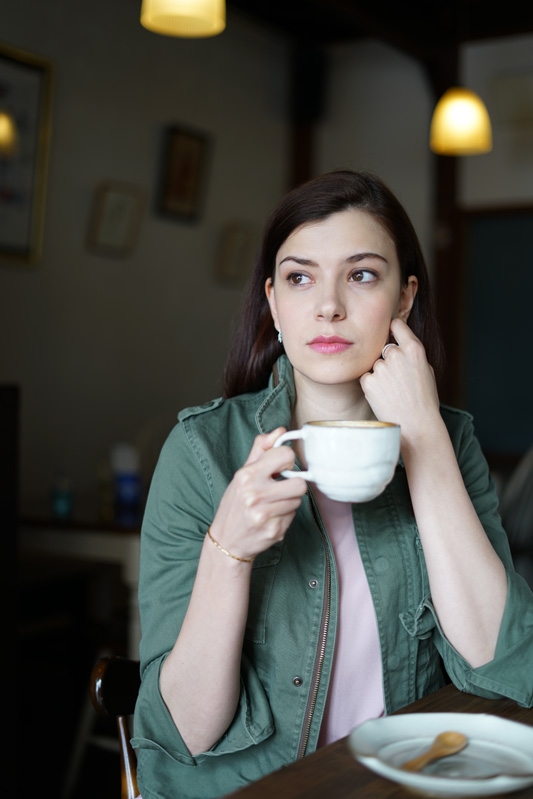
(8, 135)
(460, 124)
(186, 18)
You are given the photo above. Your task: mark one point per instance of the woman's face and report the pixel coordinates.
(337, 288)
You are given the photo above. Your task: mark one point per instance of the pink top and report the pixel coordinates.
(356, 685)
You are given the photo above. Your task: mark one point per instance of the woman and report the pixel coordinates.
(273, 619)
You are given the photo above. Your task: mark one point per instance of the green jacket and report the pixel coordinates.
(292, 622)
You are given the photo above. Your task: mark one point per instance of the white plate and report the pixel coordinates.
(498, 758)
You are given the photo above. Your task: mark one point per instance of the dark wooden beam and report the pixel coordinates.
(302, 153)
(308, 78)
(443, 72)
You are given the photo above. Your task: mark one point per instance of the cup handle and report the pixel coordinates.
(292, 435)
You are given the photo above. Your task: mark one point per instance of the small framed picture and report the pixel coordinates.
(26, 129)
(238, 243)
(183, 173)
(116, 218)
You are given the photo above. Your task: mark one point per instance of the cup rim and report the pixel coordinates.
(364, 423)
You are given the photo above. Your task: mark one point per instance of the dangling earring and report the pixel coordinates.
(280, 337)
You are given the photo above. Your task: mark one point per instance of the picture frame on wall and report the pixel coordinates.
(115, 219)
(183, 173)
(238, 243)
(25, 131)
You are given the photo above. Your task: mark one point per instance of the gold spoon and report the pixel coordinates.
(446, 743)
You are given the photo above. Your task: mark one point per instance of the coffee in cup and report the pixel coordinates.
(349, 461)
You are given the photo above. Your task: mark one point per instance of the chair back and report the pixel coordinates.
(114, 688)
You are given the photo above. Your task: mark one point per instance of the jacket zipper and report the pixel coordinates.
(321, 647)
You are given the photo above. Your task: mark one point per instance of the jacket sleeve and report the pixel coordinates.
(510, 673)
(181, 503)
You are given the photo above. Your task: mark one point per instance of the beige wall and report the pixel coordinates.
(101, 346)
(377, 118)
(502, 72)
(104, 348)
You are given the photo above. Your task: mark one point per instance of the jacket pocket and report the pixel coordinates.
(263, 573)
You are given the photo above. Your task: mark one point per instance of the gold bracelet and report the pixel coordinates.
(225, 551)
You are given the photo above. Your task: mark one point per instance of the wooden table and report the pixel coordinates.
(333, 773)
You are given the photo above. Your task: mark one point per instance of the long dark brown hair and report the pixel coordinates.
(255, 346)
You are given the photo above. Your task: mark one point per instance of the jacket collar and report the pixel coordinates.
(276, 407)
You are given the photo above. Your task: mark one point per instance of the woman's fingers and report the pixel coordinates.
(262, 443)
(257, 507)
(255, 481)
(401, 331)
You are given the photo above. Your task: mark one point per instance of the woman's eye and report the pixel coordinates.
(363, 276)
(297, 279)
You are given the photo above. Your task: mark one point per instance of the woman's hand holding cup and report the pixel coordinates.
(256, 508)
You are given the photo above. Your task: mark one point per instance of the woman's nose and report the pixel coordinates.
(330, 305)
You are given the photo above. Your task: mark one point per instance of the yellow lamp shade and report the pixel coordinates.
(8, 134)
(185, 18)
(460, 124)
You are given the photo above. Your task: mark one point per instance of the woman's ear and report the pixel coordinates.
(407, 297)
(271, 297)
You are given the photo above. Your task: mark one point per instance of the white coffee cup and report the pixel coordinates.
(348, 461)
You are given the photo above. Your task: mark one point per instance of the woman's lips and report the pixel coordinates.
(329, 344)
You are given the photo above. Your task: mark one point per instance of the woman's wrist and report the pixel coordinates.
(227, 552)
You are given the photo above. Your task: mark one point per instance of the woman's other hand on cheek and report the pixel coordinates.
(401, 387)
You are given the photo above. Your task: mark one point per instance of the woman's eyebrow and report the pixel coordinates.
(359, 256)
(301, 261)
